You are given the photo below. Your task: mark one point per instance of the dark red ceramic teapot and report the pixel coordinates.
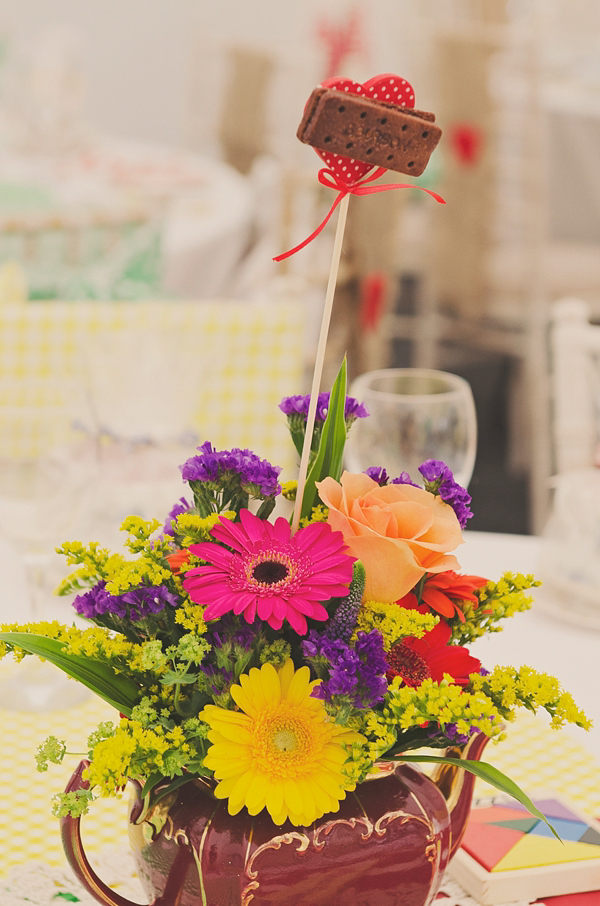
(388, 845)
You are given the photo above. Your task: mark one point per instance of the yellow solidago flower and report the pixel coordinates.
(378, 737)
(319, 513)
(195, 528)
(52, 630)
(139, 531)
(281, 751)
(393, 622)
(443, 703)
(191, 616)
(133, 573)
(497, 601)
(510, 688)
(288, 489)
(133, 750)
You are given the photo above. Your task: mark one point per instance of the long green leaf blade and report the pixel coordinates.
(336, 434)
(330, 455)
(488, 773)
(116, 689)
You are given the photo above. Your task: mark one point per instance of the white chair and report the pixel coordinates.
(575, 385)
(570, 556)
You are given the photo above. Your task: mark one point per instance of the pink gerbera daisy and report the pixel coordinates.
(269, 573)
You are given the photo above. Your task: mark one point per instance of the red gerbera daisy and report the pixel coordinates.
(443, 592)
(415, 660)
(269, 573)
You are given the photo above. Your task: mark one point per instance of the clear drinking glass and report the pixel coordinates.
(414, 414)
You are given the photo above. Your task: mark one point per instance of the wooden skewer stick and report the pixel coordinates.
(320, 358)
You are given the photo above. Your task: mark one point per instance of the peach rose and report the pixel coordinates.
(398, 531)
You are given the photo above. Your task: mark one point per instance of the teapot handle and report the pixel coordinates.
(77, 859)
(457, 785)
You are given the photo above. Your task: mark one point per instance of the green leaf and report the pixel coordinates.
(266, 508)
(116, 689)
(152, 791)
(157, 787)
(171, 678)
(488, 773)
(330, 455)
(151, 782)
(174, 785)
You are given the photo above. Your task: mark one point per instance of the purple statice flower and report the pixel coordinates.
(369, 648)
(296, 409)
(133, 605)
(255, 475)
(459, 499)
(354, 409)
(298, 405)
(434, 471)
(97, 601)
(218, 680)
(404, 478)
(378, 474)
(229, 631)
(146, 600)
(202, 468)
(182, 506)
(356, 674)
(440, 480)
(232, 641)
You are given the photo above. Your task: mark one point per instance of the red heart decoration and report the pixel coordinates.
(386, 87)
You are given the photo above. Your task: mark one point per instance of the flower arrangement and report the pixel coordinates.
(285, 663)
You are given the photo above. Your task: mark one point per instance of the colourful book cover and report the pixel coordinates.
(507, 854)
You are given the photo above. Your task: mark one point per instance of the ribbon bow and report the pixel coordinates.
(332, 181)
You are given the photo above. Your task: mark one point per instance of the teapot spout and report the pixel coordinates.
(456, 785)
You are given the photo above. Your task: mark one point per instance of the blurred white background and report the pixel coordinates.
(514, 83)
(137, 54)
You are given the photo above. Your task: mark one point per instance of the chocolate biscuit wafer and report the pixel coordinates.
(371, 131)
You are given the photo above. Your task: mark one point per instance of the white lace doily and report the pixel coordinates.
(452, 894)
(38, 884)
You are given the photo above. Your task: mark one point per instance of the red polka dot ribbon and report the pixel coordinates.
(333, 181)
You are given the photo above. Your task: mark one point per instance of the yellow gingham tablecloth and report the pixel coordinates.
(28, 830)
(249, 356)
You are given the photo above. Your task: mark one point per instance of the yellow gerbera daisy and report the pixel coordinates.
(280, 751)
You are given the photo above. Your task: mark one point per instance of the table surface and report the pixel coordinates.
(536, 638)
